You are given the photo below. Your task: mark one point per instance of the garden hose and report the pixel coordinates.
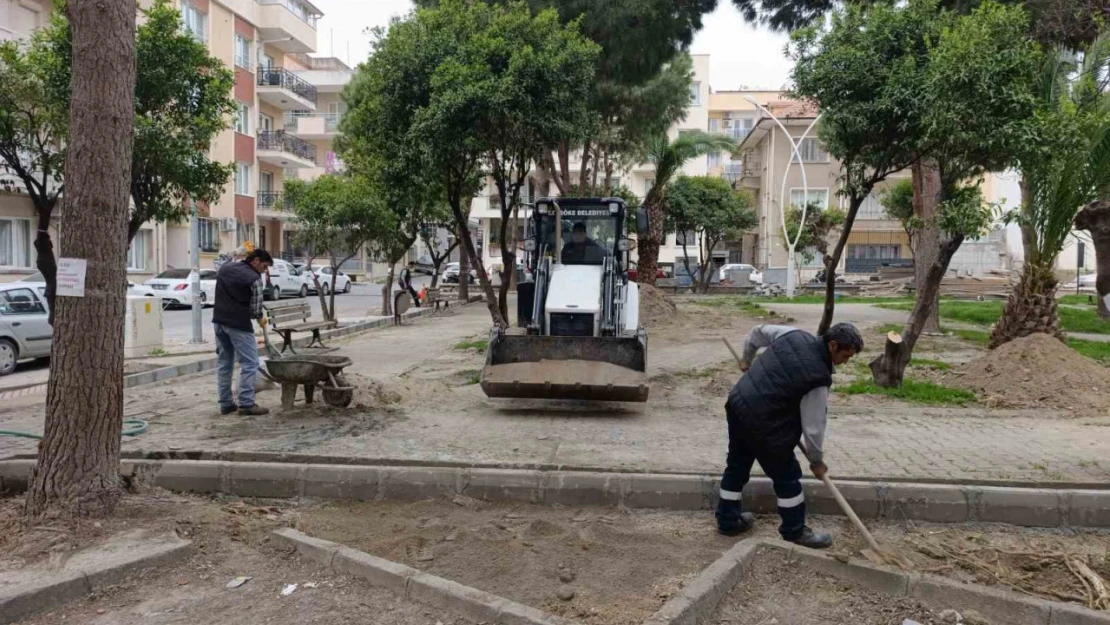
(131, 427)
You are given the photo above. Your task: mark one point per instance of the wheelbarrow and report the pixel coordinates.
(311, 371)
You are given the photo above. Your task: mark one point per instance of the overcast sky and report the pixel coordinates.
(740, 55)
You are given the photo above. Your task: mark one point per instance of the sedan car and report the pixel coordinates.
(634, 272)
(24, 330)
(755, 277)
(173, 286)
(451, 274)
(133, 290)
(323, 274)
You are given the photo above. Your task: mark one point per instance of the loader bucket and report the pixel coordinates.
(566, 367)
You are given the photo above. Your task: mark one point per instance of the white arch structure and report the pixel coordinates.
(791, 245)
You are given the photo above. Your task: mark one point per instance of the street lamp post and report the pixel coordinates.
(197, 335)
(791, 244)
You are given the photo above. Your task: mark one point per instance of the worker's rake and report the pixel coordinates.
(873, 552)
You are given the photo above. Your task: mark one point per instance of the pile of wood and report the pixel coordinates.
(994, 285)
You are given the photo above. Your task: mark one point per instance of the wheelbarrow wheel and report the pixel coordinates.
(338, 397)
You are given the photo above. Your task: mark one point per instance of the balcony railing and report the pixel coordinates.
(281, 77)
(279, 140)
(271, 200)
(296, 8)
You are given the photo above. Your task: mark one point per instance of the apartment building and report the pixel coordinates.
(288, 110)
(639, 178)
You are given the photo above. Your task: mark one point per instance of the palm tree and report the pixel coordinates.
(1066, 170)
(669, 156)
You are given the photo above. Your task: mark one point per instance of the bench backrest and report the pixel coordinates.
(288, 314)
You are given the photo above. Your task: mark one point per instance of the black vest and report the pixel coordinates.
(233, 296)
(766, 399)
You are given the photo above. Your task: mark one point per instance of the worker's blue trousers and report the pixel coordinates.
(778, 462)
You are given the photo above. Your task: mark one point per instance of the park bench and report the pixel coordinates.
(289, 317)
(442, 295)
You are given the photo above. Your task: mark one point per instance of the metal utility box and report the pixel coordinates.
(143, 327)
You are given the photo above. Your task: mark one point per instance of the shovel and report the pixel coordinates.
(874, 552)
(270, 349)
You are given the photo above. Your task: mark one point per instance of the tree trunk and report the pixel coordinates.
(78, 462)
(464, 266)
(926, 197)
(472, 254)
(648, 246)
(46, 262)
(387, 291)
(1031, 307)
(833, 260)
(889, 369)
(1095, 219)
(331, 292)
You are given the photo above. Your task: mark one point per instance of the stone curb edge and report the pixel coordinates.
(415, 585)
(1027, 507)
(73, 585)
(699, 600)
(144, 378)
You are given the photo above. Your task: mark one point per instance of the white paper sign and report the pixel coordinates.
(71, 277)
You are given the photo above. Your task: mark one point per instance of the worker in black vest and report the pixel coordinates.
(781, 400)
(238, 303)
(405, 282)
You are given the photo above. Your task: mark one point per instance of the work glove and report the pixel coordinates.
(263, 322)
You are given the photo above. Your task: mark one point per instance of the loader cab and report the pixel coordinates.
(576, 231)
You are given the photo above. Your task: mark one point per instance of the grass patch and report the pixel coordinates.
(913, 391)
(887, 328)
(844, 299)
(930, 363)
(1077, 300)
(743, 305)
(1094, 350)
(987, 313)
(475, 345)
(472, 376)
(979, 337)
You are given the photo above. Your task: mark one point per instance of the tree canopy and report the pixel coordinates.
(709, 207)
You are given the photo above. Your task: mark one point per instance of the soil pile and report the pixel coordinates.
(655, 307)
(1037, 371)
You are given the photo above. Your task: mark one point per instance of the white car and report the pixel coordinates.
(24, 330)
(175, 288)
(342, 281)
(451, 274)
(133, 290)
(756, 276)
(286, 280)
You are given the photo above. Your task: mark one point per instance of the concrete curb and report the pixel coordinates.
(415, 585)
(925, 502)
(70, 584)
(699, 600)
(207, 364)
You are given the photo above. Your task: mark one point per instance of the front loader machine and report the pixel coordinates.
(578, 334)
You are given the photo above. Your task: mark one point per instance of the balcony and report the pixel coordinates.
(271, 204)
(289, 25)
(284, 89)
(309, 125)
(284, 150)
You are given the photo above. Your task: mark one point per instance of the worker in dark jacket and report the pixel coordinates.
(405, 282)
(781, 400)
(238, 304)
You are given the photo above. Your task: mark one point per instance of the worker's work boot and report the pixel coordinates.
(226, 410)
(254, 411)
(813, 540)
(731, 521)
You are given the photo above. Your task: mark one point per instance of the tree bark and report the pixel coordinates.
(1095, 219)
(387, 291)
(455, 199)
(464, 265)
(46, 262)
(833, 260)
(78, 463)
(648, 246)
(926, 197)
(889, 369)
(1031, 307)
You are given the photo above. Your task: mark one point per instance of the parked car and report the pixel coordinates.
(342, 281)
(424, 265)
(451, 274)
(24, 330)
(133, 290)
(285, 280)
(756, 276)
(175, 287)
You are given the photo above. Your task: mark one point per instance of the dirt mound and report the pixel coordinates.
(1037, 371)
(655, 306)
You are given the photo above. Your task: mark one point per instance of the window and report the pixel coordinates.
(245, 232)
(265, 123)
(714, 124)
(689, 237)
(242, 179)
(15, 243)
(648, 183)
(818, 197)
(242, 52)
(695, 94)
(265, 182)
(242, 119)
(262, 237)
(137, 253)
(812, 152)
(20, 302)
(208, 230)
(266, 61)
(194, 22)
